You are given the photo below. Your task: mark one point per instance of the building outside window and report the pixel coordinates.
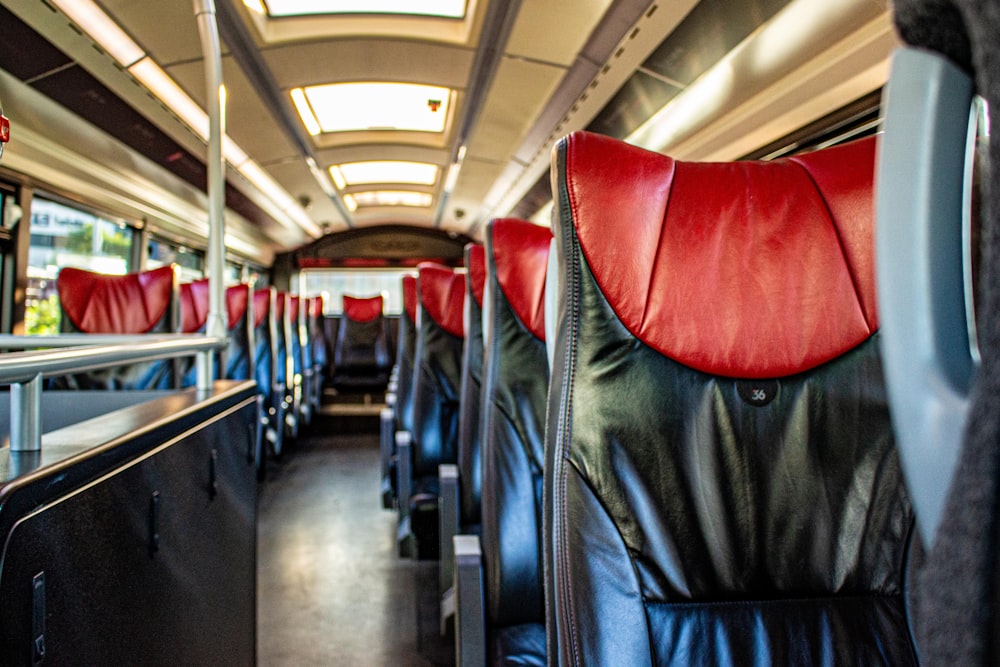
(63, 235)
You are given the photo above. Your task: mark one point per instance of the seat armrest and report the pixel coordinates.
(387, 436)
(404, 489)
(448, 501)
(470, 607)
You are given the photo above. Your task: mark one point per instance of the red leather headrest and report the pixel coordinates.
(194, 305)
(293, 308)
(442, 291)
(745, 269)
(410, 296)
(279, 306)
(520, 255)
(237, 297)
(362, 309)
(316, 306)
(128, 304)
(195, 302)
(477, 270)
(261, 305)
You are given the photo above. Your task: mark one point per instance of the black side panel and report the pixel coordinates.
(153, 563)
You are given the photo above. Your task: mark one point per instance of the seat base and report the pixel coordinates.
(519, 645)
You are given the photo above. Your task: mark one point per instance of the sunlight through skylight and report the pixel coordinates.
(384, 171)
(439, 8)
(348, 107)
(391, 198)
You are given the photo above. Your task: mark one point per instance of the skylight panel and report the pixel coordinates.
(390, 198)
(353, 107)
(384, 171)
(440, 8)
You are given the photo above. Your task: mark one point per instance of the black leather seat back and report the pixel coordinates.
(237, 356)
(317, 334)
(405, 351)
(723, 482)
(361, 350)
(469, 430)
(265, 354)
(437, 372)
(516, 379)
(295, 333)
(283, 362)
(239, 352)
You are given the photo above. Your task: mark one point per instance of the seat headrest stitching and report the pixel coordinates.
(659, 245)
(840, 242)
(85, 311)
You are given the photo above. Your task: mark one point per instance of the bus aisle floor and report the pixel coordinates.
(330, 588)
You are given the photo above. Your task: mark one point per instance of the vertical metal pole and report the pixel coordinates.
(203, 370)
(26, 415)
(208, 29)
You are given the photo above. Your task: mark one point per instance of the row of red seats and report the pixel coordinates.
(274, 338)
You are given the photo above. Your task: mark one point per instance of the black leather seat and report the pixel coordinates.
(469, 427)
(515, 386)
(318, 351)
(722, 479)
(194, 315)
(284, 373)
(265, 306)
(406, 350)
(297, 343)
(361, 351)
(436, 383)
(461, 483)
(134, 303)
(398, 415)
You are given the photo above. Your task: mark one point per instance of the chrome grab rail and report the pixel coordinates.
(80, 353)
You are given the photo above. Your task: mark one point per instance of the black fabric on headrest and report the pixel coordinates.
(957, 608)
(936, 25)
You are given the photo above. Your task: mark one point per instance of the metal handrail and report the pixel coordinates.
(39, 341)
(87, 352)
(24, 370)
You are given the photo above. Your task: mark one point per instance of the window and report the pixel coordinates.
(190, 263)
(63, 235)
(333, 284)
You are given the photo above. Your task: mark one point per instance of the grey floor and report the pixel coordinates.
(330, 588)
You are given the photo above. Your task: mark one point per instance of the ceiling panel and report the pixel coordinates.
(519, 92)
(248, 121)
(356, 153)
(145, 21)
(709, 32)
(473, 183)
(296, 178)
(367, 60)
(554, 31)
(641, 96)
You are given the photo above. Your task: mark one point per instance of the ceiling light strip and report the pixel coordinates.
(243, 49)
(109, 35)
(103, 29)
